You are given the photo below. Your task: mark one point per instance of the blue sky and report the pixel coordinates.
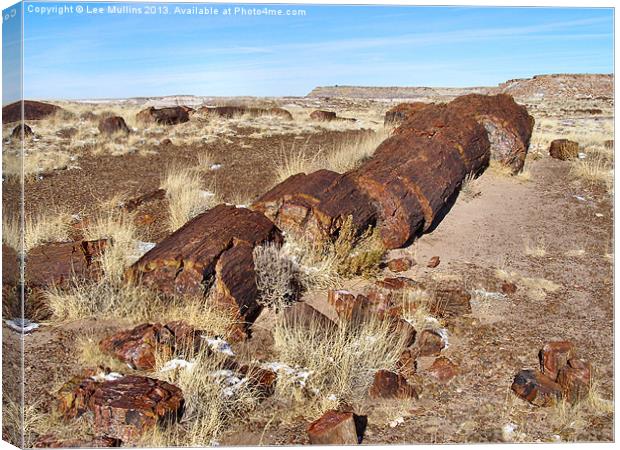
(115, 55)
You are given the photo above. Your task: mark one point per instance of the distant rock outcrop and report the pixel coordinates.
(32, 111)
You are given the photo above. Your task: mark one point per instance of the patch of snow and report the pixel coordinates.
(215, 166)
(443, 333)
(489, 295)
(332, 397)
(580, 198)
(508, 431)
(582, 155)
(206, 194)
(177, 363)
(21, 325)
(599, 215)
(394, 423)
(297, 374)
(219, 345)
(107, 376)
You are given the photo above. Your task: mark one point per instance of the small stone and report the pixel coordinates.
(400, 264)
(509, 288)
(429, 343)
(443, 370)
(433, 262)
(390, 385)
(348, 306)
(334, 428)
(536, 388)
(575, 378)
(554, 356)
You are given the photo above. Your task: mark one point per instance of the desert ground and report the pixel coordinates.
(531, 251)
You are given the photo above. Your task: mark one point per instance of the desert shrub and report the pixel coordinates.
(276, 276)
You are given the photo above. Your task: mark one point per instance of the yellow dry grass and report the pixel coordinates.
(38, 229)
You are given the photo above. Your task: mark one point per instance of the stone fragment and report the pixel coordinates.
(400, 264)
(348, 306)
(443, 370)
(433, 262)
(74, 395)
(390, 385)
(300, 314)
(509, 288)
(575, 379)
(128, 407)
(334, 428)
(397, 283)
(323, 116)
(429, 343)
(564, 149)
(536, 388)
(406, 364)
(450, 302)
(112, 125)
(554, 355)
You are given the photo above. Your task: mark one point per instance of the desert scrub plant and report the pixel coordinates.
(38, 229)
(186, 198)
(338, 365)
(596, 168)
(276, 276)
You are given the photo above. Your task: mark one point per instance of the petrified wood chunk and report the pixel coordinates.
(164, 116)
(443, 370)
(450, 302)
(112, 125)
(429, 343)
(127, 407)
(323, 116)
(185, 262)
(73, 396)
(400, 264)
(389, 384)
(60, 262)
(575, 379)
(348, 306)
(398, 283)
(554, 356)
(32, 111)
(402, 112)
(300, 314)
(135, 203)
(536, 388)
(20, 132)
(509, 125)
(564, 149)
(333, 428)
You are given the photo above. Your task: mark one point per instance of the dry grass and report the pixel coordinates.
(90, 355)
(276, 276)
(469, 187)
(38, 229)
(536, 288)
(339, 365)
(186, 196)
(596, 168)
(21, 423)
(536, 248)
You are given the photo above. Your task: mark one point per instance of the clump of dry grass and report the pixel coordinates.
(276, 276)
(469, 187)
(38, 229)
(185, 195)
(90, 355)
(596, 168)
(536, 248)
(22, 423)
(338, 366)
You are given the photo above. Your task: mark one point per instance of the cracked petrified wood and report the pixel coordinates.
(400, 112)
(214, 247)
(130, 406)
(388, 384)
(334, 428)
(537, 388)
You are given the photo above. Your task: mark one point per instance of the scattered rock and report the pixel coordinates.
(433, 262)
(391, 385)
(133, 204)
(398, 283)
(536, 388)
(443, 370)
(347, 305)
(19, 132)
(32, 111)
(164, 116)
(508, 287)
(564, 149)
(405, 330)
(382, 305)
(400, 264)
(130, 406)
(334, 428)
(113, 125)
(74, 395)
(429, 343)
(554, 356)
(575, 380)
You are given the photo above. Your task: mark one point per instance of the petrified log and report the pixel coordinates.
(389, 384)
(554, 355)
(19, 132)
(450, 302)
(133, 204)
(323, 116)
(112, 125)
(564, 149)
(575, 379)
(402, 111)
(509, 125)
(32, 111)
(130, 406)
(73, 396)
(229, 112)
(164, 116)
(536, 388)
(333, 428)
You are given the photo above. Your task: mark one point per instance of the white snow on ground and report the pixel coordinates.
(219, 345)
(21, 325)
(107, 376)
(482, 293)
(177, 363)
(297, 374)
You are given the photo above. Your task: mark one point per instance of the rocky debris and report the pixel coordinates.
(55, 441)
(127, 407)
(300, 314)
(73, 396)
(60, 263)
(401, 112)
(508, 287)
(229, 112)
(443, 370)
(554, 355)
(113, 125)
(536, 388)
(19, 132)
(508, 124)
(398, 283)
(561, 375)
(563, 149)
(450, 302)
(433, 262)
(405, 330)
(214, 248)
(382, 305)
(32, 111)
(429, 343)
(400, 264)
(334, 428)
(135, 203)
(137, 346)
(575, 379)
(164, 116)
(390, 385)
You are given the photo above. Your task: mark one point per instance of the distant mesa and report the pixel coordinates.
(32, 111)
